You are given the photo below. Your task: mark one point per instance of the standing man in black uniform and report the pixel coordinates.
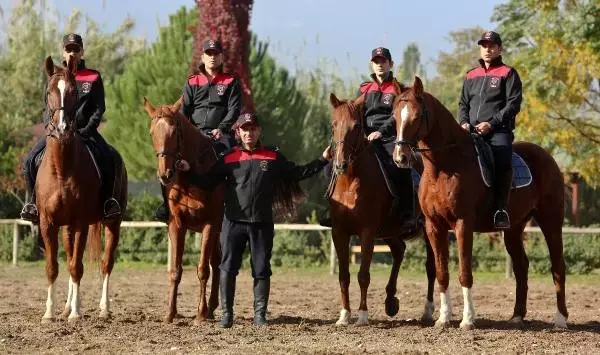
(212, 100)
(90, 107)
(252, 173)
(490, 101)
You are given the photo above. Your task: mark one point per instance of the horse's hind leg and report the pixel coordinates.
(50, 236)
(427, 315)
(364, 276)
(341, 241)
(177, 239)
(397, 247)
(551, 225)
(203, 270)
(79, 236)
(464, 238)
(513, 241)
(111, 240)
(215, 261)
(68, 241)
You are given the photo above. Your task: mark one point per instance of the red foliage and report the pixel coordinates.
(227, 21)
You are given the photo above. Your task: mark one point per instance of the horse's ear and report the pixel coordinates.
(149, 108)
(335, 102)
(397, 88)
(71, 65)
(49, 64)
(418, 87)
(177, 105)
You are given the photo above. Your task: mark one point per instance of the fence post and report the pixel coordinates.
(332, 258)
(16, 236)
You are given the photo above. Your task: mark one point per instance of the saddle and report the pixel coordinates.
(485, 158)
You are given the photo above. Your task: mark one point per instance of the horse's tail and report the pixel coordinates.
(94, 244)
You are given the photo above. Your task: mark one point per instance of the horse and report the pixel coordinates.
(360, 205)
(452, 195)
(68, 191)
(174, 138)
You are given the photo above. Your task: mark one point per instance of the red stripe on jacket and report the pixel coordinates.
(501, 71)
(238, 155)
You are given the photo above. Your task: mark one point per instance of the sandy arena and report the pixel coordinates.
(302, 311)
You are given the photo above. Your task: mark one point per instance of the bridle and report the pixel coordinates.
(412, 143)
(177, 153)
(356, 149)
(68, 114)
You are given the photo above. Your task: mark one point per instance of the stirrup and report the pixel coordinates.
(161, 214)
(111, 208)
(501, 220)
(29, 213)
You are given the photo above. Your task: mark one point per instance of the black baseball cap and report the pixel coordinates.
(213, 44)
(244, 119)
(72, 38)
(490, 36)
(381, 52)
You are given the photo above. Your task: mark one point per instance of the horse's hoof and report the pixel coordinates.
(442, 324)
(199, 321)
(47, 320)
(426, 318)
(344, 318)
(104, 315)
(516, 321)
(467, 326)
(65, 314)
(210, 315)
(168, 319)
(560, 321)
(392, 306)
(363, 318)
(75, 318)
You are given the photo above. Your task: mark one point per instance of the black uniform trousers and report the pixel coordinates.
(234, 237)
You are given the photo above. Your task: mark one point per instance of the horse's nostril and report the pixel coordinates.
(169, 174)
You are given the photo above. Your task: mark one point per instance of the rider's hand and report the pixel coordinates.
(182, 165)
(216, 133)
(483, 128)
(375, 135)
(466, 127)
(327, 153)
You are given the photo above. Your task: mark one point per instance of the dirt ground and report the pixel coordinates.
(303, 308)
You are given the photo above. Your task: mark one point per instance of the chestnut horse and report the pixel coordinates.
(453, 195)
(68, 191)
(174, 138)
(360, 205)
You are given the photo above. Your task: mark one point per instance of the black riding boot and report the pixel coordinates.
(227, 287)
(261, 300)
(502, 192)
(29, 211)
(162, 212)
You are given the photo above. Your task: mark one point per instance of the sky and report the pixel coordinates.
(302, 33)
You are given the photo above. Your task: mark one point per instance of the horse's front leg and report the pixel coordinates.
(438, 238)
(341, 241)
(464, 238)
(177, 240)
(397, 247)
(50, 236)
(364, 275)
(78, 235)
(209, 237)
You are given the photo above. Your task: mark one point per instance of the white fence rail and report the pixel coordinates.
(298, 227)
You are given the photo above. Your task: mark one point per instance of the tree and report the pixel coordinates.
(556, 47)
(227, 20)
(411, 65)
(452, 67)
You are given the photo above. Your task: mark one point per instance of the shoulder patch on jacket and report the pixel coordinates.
(197, 80)
(87, 75)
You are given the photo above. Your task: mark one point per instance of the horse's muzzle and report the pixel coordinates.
(402, 160)
(167, 178)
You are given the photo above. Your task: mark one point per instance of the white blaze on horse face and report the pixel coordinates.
(404, 114)
(62, 125)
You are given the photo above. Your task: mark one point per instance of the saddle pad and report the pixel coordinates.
(521, 173)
